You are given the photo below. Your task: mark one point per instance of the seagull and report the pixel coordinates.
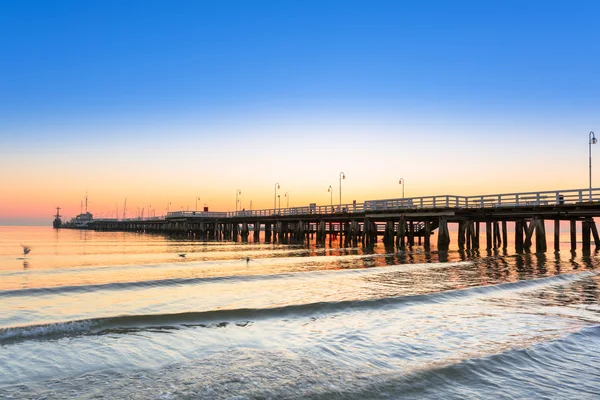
(248, 260)
(26, 250)
(182, 255)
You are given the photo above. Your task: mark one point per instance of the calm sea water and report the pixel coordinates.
(120, 315)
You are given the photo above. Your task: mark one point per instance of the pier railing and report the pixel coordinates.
(522, 199)
(508, 200)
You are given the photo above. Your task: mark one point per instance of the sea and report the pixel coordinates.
(113, 315)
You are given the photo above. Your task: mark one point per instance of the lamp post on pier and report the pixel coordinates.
(237, 192)
(287, 195)
(197, 198)
(592, 141)
(401, 182)
(342, 176)
(275, 198)
(330, 190)
(279, 208)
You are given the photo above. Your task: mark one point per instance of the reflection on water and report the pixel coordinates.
(121, 315)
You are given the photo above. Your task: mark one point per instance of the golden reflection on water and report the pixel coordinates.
(72, 258)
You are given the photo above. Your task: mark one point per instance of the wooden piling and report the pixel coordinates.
(519, 236)
(461, 234)
(443, 235)
(595, 233)
(504, 235)
(585, 236)
(540, 236)
(411, 234)
(257, 232)
(488, 234)
(427, 228)
(268, 232)
(573, 228)
(557, 234)
(529, 233)
(400, 238)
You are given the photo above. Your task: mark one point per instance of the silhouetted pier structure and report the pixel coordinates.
(400, 222)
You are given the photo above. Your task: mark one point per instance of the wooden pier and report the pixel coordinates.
(398, 222)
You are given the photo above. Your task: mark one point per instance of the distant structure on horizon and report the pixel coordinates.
(80, 221)
(57, 223)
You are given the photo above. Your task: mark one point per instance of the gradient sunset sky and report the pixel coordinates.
(165, 101)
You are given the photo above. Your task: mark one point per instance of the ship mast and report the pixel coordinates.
(86, 201)
(58, 212)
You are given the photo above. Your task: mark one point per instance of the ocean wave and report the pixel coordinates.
(242, 316)
(41, 291)
(554, 369)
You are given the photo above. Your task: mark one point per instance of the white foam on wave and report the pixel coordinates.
(35, 331)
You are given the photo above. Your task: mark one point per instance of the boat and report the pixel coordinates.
(82, 220)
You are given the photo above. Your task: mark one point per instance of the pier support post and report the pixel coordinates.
(476, 237)
(557, 234)
(427, 228)
(256, 232)
(529, 233)
(585, 239)
(411, 234)
(388, 235)
(461, 234)
(504, 235)
(496, 234)
(573, 231)
(595, 233)
(443, 235)
(540, 236)
(519, 236)
(400, 238)
(488, 234)
(267, 232)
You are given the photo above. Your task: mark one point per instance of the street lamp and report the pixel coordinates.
(197, 198)
(330, 190)
(288, 199)
(342, 176)
(237, 192)
(275, 198)
(401, 182)
(592, 141)
(279, 198)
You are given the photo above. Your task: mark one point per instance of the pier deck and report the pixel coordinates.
(399, 221)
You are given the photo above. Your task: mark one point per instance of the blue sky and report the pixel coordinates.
(140, 76)
(110, 59)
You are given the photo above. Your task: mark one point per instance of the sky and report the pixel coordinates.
(165, 102)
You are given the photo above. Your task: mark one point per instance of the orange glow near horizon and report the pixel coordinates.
(305, 160)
